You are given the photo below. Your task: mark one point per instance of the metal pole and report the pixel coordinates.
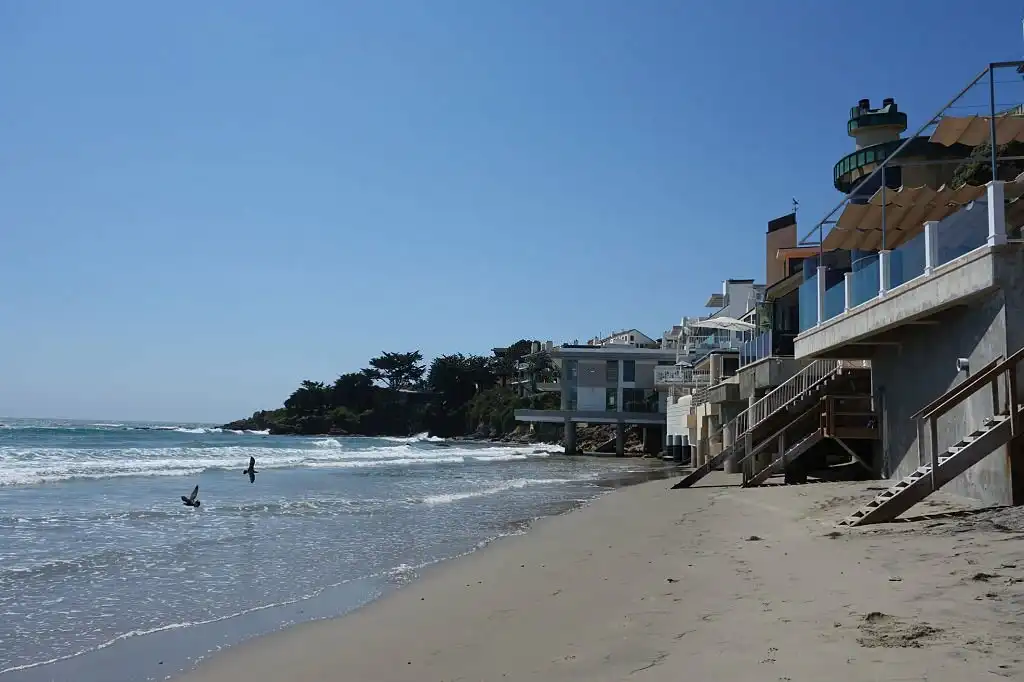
(909, 139)
(883, 212)
(992, 116)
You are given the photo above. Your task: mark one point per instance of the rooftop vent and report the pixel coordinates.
(864, 104)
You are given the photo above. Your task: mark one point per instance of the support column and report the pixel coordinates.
(714, 369)
(847, 292)
(700, 455)
(996, 213)
(931, 246)
(821, 293)
(728, 438)
(570, 437)
(620, 439)
(883, 272)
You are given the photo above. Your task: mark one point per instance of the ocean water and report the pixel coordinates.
(106, 576)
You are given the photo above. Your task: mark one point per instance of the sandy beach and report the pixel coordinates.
(711, 583)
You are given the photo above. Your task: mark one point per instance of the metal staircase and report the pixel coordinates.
(994, 432)
(805, 384)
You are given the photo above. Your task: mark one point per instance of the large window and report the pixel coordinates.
(611, 372)
(570, 370)
(639, 400)
(611, 397)
(629, 370)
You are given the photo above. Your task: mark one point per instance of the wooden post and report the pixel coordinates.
(995, 395)
(1011, 390)
(921, 442)
(935, 452)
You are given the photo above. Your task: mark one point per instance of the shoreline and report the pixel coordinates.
(720, 582)
(145, 653)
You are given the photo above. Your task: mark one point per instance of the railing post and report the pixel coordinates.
(920, 442)
(931, 246)
(996, 212)
(883, 272)
(847, 292)
(1011, 390)
(935, 453)
(821, 293)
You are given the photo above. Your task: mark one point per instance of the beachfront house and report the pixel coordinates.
(608, 380)
(912, 299)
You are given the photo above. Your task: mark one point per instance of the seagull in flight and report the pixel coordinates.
(251, 471)
(191, 500)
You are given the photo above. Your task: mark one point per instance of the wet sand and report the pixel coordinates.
(715, 583)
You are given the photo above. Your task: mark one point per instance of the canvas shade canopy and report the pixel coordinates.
(906, 211)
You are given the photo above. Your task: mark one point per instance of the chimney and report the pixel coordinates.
(864, 104)
(887, 101)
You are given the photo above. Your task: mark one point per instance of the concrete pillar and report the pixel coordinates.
(700, 456)
(728, 438)
(620, 439)
(715, 369)
(996, 213)
(821, 293)
(847, 291)
(618, 389)
(931, 246)
(570, 437)
(883, 272)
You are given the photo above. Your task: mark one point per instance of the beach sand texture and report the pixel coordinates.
(711, 583)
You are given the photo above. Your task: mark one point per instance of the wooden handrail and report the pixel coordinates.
(981, 378)
(775, 436)
(969, 383)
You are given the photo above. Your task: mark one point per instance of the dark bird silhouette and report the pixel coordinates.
(191, 500)
(251, 471)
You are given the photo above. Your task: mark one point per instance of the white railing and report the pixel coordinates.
(792, 388)
(681, 376)
(781, 395)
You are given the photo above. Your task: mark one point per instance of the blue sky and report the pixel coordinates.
(203, 203)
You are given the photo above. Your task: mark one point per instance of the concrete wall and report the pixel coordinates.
(675, 417)
(921, 367)
(592, 373)
(644, 374)
(591, 398)
(775, 267)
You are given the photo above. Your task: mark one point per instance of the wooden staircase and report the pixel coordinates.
(802, 387)
(780, 462)
(994, 432)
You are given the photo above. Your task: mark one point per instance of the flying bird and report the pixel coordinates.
(251, 471)
(191, 500)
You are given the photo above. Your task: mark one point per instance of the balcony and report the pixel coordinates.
(948, 264)
(766, 345)
(679, 377)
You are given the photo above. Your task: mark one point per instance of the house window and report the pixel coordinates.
(639, 400)
(570, 370)
(573, 398)
(629, 370)
(611, 396)
(631, 338)
(611, 371)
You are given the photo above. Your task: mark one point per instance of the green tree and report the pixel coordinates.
(353, 391)
(397, 370)
(309, 398)
(540, 368)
